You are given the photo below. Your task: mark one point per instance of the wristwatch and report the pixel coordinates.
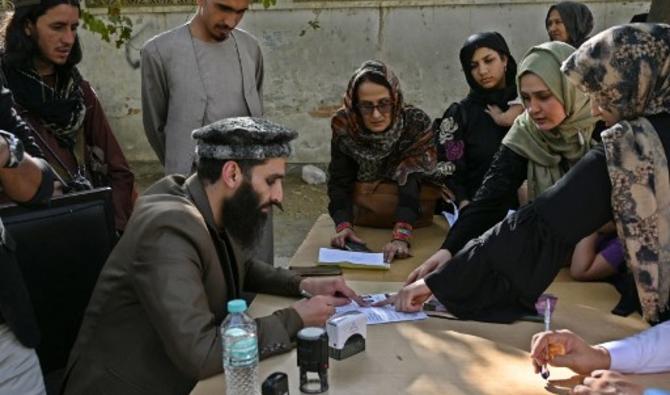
(15, 147)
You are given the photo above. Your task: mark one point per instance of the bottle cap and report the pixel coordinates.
(311, 333)
(237, 306)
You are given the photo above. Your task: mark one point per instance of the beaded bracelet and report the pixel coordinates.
(342, 226)
(402, 231)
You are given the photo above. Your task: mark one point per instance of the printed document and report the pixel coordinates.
(380, 315)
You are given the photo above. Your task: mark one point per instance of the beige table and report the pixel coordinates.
(439, 356)
(425, 242)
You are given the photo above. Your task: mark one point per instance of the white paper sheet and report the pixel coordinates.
(370, 259)
(451, 217)
(381, 315)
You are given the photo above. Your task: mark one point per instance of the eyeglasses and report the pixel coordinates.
(384, 107)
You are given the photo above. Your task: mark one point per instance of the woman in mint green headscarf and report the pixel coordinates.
(555, 130)
(548, 138)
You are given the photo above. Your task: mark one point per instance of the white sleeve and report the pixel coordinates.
(646, 352)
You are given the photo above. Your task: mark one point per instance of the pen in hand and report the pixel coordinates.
(547, 325)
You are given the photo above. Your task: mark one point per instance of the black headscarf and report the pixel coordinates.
(496, 42)
(577, 18)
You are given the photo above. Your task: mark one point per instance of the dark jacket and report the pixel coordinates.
(152, 325)
(104, 160)
(499, 275)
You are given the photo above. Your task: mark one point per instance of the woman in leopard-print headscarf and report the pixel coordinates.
(627, 72)
(377, 137)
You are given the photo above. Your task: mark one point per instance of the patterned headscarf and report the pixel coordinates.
(61, 108)
(627, 68)
(577, 19)
(570, 140)
(405, 147)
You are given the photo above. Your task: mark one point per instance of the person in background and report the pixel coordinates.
(39, 63)
(470, 131)
(196, 73)
(377, 137)
(570, 22)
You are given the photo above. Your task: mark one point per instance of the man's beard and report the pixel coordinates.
(242, 216)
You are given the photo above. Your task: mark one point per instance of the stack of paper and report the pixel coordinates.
(355, 260)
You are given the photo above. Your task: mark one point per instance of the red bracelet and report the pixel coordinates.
(342, 226)
(402, 231)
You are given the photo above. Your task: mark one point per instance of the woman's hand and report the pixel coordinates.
(411, 297)
(506, 118)
(496, 113)
(395, 249)
(436, 261)
(342, 236)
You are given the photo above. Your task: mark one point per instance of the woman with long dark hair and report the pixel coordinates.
(470, 131)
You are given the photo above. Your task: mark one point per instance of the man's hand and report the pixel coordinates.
(395, 249)
(317, 310)
(575, 353)
(603, 382)
(330, 286)
(410, 298)
(436, 261)
(342, 236)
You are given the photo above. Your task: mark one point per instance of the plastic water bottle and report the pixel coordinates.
(240, 351)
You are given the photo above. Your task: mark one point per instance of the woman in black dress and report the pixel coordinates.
(470, 131)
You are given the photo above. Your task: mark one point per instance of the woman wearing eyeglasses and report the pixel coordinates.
(377, 137)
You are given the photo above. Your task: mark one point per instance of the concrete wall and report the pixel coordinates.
(306, 70)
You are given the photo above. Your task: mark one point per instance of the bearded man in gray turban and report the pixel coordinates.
(154, 318)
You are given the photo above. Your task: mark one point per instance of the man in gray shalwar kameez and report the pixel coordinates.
(195, 74)
(198, 73)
